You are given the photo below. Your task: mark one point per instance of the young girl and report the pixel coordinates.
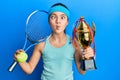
(57, 51)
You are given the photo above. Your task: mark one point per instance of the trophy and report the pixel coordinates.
(85, 36)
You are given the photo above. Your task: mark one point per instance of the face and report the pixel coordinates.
(58, 22)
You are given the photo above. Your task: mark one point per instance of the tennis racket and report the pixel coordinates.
(37, 29)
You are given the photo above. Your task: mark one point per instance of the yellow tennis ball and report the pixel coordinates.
(22, 57)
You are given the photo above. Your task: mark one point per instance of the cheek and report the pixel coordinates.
(65, 23)
(51, 23)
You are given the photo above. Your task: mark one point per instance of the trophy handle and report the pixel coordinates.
(93, 28)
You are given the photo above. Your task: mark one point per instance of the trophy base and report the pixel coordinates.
(88, 64)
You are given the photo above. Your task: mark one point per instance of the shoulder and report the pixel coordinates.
(40, 46)
(69, 38)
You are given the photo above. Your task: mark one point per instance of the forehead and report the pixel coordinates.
(58, 14)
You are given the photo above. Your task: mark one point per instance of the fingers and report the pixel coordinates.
(88, 53)
(20, 50)
(17, 52)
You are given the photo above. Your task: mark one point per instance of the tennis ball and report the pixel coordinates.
(22, 57)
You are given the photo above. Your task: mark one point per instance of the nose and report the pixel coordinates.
(58, 20)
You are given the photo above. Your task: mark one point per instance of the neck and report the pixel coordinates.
(58, 40)
(58, 37)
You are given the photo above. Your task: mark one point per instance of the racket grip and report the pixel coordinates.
(12, 66)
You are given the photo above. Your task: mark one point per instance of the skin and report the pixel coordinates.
(58, 22)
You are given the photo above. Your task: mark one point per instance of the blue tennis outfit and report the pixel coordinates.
(57, 62)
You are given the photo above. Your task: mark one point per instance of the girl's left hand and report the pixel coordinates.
(88, 53)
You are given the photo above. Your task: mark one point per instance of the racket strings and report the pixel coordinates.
(38, 27)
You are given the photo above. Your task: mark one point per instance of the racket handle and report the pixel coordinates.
(12, 66)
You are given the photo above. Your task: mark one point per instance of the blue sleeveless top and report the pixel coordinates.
(57, 62)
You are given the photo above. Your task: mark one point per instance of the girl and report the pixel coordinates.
(57, 51)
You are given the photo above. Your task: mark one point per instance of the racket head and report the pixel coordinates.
(37, 26)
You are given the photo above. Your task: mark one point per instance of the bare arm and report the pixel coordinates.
(78, 56)
(29, 66)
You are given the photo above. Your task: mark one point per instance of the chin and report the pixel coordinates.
(59, 31)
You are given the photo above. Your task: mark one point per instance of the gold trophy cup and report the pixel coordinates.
(85, 36)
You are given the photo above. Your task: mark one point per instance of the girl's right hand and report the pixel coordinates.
(18, 52)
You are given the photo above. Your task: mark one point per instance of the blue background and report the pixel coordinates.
(105, 14)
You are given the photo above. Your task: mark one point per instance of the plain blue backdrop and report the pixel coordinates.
(105, 14)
